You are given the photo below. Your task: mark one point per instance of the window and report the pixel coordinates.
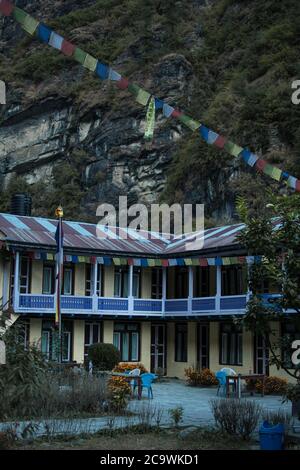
(231, 344)
(205, 281)
(50, 341)
(156, 283)
(89, 280)
(25, 275)
(48, 279)
(233, 280)
(181, 333)
(92, 335)
(122, 279)
(181, 283)
(126, 339)
(289, 333)
(68, 281)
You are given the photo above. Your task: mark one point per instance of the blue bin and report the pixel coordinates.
(271, 437)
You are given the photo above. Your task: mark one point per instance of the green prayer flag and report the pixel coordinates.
(276, 174)
(142, 97)
(90, 62)
(268, 169)
(30, 24)
(80, 55)
(232, 148)
(150, 120)
(189, 122)
(19, 15)
(134, 89)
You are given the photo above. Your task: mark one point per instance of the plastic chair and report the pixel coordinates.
(221, 377)
(229, 371)
(135, 372)
(147, 379)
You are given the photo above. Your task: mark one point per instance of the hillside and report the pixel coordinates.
(67, 137)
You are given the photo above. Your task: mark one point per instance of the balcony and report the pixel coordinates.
(82, 305)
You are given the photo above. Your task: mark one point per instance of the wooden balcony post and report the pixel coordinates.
(164, 289)
(130, 289)
(16, 292)
(94, 287)
(219, 288)
(191, 289)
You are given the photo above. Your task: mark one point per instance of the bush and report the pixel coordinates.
(273, 385)
(125, 366)
(204, 377)
(236, 417)
(104, 356)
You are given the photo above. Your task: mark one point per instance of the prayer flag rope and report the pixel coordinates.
(104, 72)
(148, 262)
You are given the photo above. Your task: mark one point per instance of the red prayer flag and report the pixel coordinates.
(242, 259)
(165, 262)
(176, 113)
(123, 83)
(130, 261)
(203, 262)
(6, 7)
(67, 48)
(260, 164)
(298, 185)
(220, 142)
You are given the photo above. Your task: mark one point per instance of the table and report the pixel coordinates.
(237, 378)
(129, 378)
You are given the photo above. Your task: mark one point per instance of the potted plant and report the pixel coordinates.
(293, 395)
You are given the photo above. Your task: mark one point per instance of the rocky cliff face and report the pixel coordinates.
(57, 110)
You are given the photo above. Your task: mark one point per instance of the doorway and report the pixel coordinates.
(158, 348)
(261, 355)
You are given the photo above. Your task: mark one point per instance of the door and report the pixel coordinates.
(203, 345)
(261, 356)
(158, 349)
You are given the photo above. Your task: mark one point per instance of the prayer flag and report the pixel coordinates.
(150, 120)
(6, 7)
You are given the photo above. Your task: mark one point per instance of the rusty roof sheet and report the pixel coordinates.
(38, 232)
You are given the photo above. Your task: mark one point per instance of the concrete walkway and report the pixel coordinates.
(195, 401)
(167, 395)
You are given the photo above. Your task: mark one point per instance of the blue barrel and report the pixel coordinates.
(271, 437)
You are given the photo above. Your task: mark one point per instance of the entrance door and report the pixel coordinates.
(158, 349)
(203, 345)
(261, 364)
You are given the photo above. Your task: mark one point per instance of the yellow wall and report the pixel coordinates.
(145, 344)
(146, 278)
(108, 331)
(78, 341)
(79, 279)
(109, 281)
(37, 277)
(35, 331)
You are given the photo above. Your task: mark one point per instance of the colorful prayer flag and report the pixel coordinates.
(142, 97)
(90, 63)
(30, 24)
(56, 41)
(79, 55)
(167, 110)
(44, 33)
(6, 7)
(102, 71)
(67, 48)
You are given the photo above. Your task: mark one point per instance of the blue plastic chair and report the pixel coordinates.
(221, 377)
(147, 379)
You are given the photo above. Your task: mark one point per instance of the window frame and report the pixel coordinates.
(234, 336)
(50, 267)
(118, 332)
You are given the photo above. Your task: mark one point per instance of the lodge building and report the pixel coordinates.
(163, 302)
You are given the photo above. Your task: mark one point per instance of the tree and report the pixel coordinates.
(275, 237)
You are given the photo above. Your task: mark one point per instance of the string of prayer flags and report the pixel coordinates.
(150, 119)
(46, 35)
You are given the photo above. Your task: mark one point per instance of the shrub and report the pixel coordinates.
(176, 415)
(236, 417)
(273, 385)
(278, 417)
(7, 439)
(104, 356)
(119, 393)
(125, 366)
(203, 377)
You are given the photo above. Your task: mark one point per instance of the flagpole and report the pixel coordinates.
(59, 271)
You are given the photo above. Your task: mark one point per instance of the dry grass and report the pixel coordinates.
(162, 440)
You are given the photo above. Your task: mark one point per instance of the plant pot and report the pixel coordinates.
(296, 409)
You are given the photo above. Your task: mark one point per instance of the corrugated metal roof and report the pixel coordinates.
(39, 232)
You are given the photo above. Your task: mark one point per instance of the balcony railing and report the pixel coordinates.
(35, 303)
